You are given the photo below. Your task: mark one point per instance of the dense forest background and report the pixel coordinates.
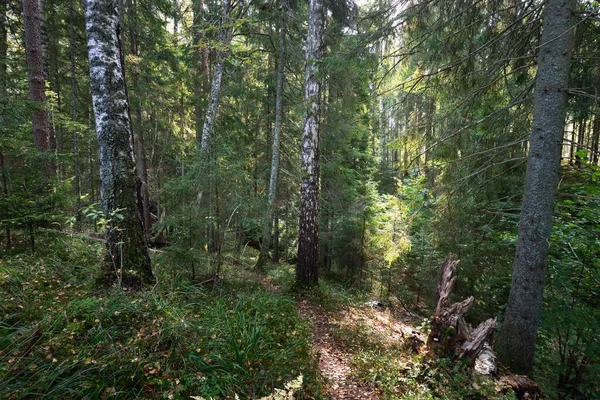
(425, 110)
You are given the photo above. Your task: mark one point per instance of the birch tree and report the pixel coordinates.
(225, 33)
(266, 242)
(307, 273)
(516, 342)
(127, 259)
(37, 80)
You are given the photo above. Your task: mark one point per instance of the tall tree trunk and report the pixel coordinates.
(201, 66)
(74, 105)
(516, 342)
(142, 167)
(37, 80)
(580, 140)
(127, 261)
(3, 98)
(595, 140)
(275, 238)
(266, 242)
(307, 272)
(225, 32)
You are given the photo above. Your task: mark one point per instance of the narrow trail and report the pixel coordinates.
(334, 360)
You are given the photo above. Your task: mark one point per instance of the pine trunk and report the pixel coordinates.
(127, 261)
(307, 272)
(517, 339)
(37, 80)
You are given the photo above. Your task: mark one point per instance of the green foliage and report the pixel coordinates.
(61, 337)
(251, 347)
(402, 376)
(569, 350)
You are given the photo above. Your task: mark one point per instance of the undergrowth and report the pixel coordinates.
(60, 336)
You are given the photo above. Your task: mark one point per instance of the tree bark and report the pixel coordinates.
(201, 64)
(516, 342)
(266, 242)
(595, 140)
(3, 98)
(307, 272)
(142, 165)
(74, 105)
(225, 33)
(37, 80)
(127, 260)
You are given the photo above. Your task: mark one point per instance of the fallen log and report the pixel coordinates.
(524, 388)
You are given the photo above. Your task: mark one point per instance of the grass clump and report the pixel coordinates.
(250, 348)
(62, 337)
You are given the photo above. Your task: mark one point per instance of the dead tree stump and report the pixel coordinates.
(449, 330)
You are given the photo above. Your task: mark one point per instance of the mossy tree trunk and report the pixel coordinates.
(127, 261)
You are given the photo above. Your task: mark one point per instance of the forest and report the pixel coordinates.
(299, 199)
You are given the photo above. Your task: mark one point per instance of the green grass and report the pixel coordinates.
(61, 337)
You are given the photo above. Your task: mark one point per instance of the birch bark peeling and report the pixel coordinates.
(307, 273)
(127, 250)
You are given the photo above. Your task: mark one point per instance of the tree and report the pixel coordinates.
(516, 342)
(266, 242)
(225, 32)
(37, 80)
(307, 272)
(127, 258)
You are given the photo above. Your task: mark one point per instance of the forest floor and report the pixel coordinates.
(249, 334)
(334, 359)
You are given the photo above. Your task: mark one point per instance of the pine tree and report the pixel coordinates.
(37, 80)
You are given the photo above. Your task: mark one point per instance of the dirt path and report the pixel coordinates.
(334, 360)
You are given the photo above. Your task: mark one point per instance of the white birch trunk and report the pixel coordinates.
(308, 241)
(225, 33)
(127, 261)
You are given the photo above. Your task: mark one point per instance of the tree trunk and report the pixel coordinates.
(580, 141)
(142, 167)
(74, 105)
(127, 260)
(3, 98)
(595, 140)
(5, 193)
(37, 80)
(225, 33)
(201, 65)
(307, 272)
(266, 242)
(516, 342)
(275, 239)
